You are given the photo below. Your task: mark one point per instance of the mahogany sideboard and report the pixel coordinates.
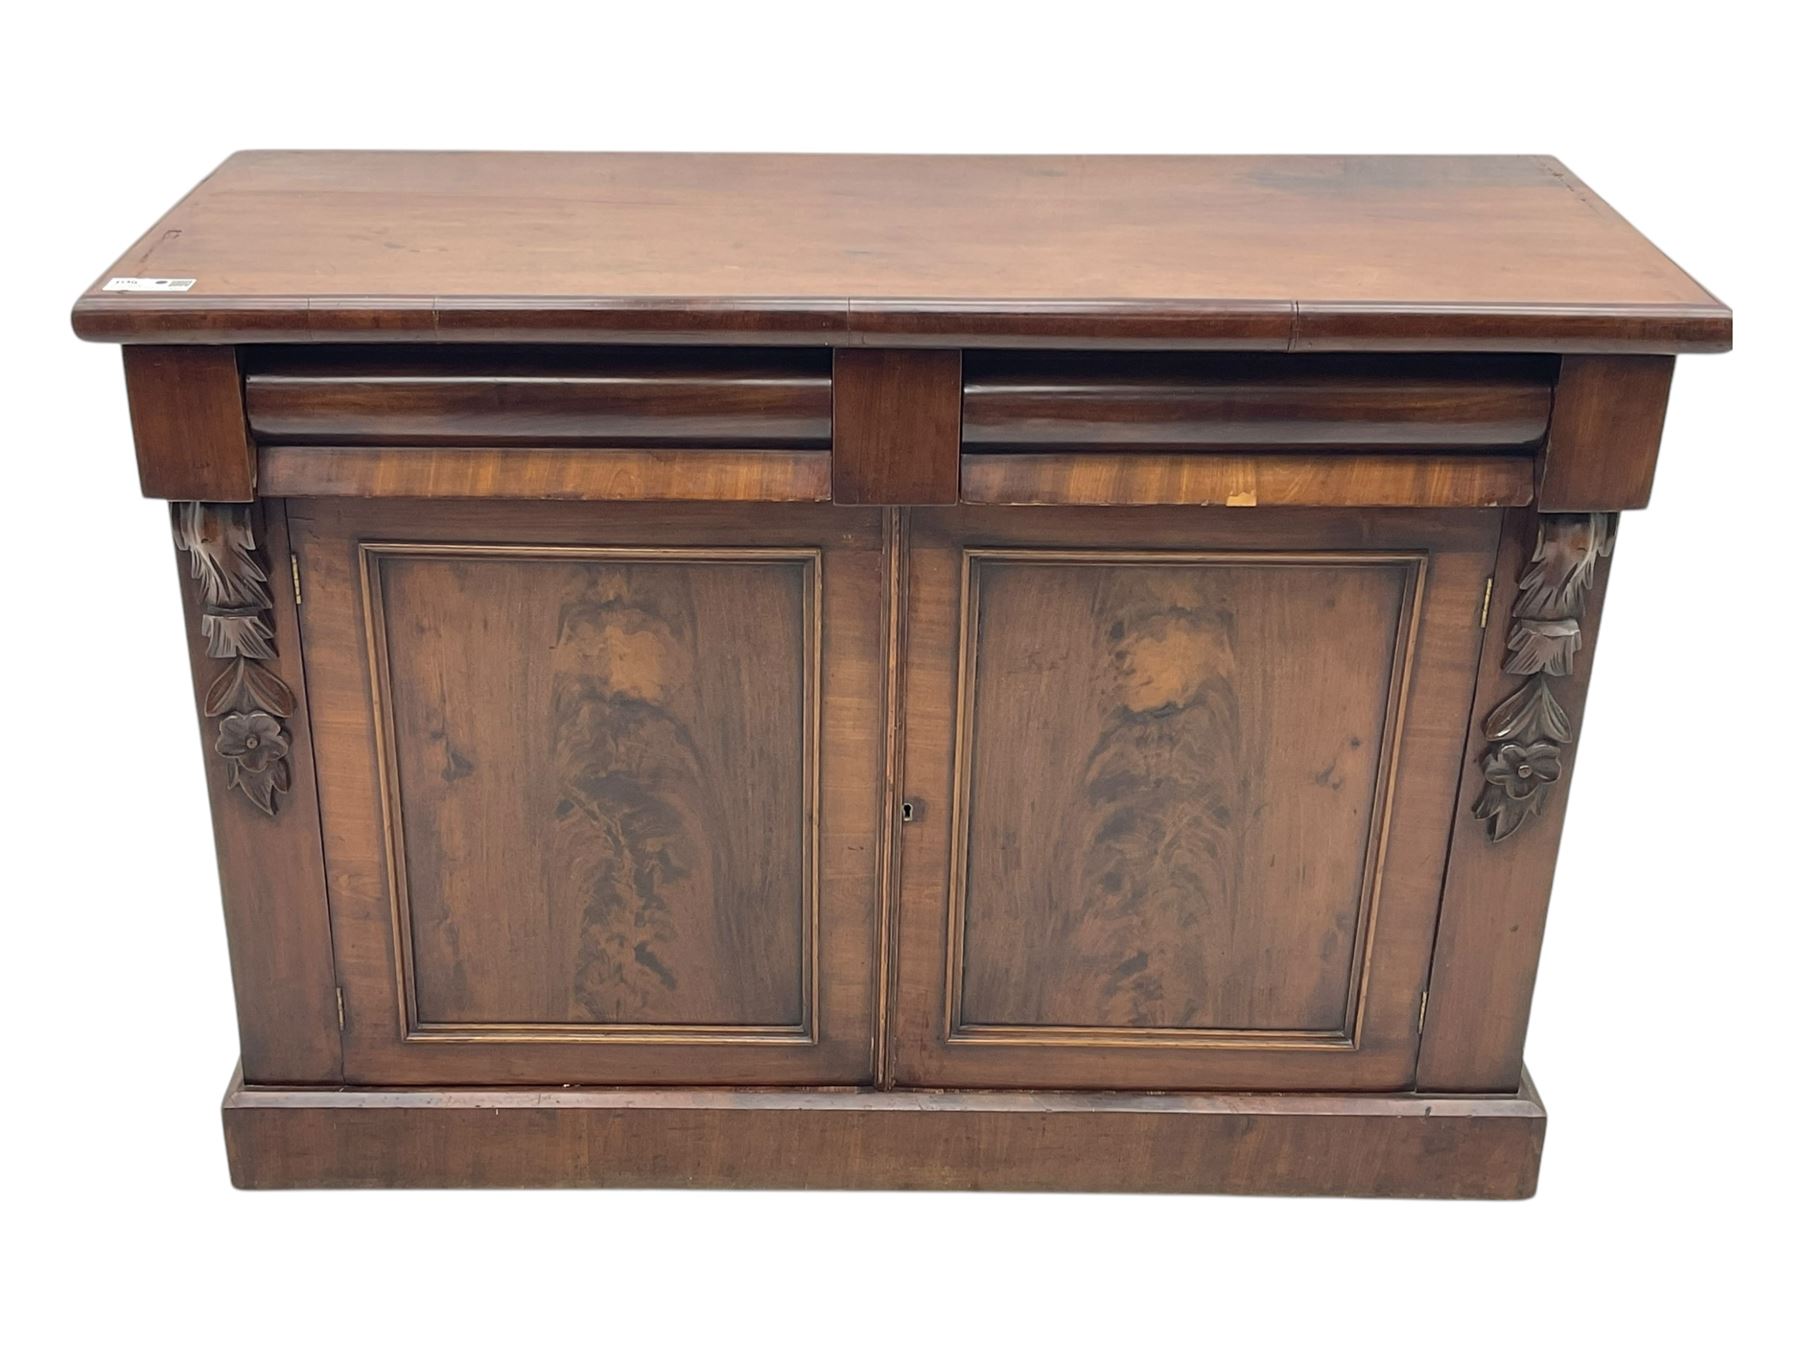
(855, 671)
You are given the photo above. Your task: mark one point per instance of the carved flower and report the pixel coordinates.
(1521, 770)
(252, 739)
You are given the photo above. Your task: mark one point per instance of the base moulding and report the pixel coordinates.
(1399, 1144)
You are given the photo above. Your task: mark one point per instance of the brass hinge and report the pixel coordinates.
(340, 998)
(1487, 594)
(294, 565)
(1424, 997)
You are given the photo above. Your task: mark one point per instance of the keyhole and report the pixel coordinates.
(908, 813)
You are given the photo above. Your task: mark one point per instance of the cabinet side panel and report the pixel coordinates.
(271, 866)
(1497, 890)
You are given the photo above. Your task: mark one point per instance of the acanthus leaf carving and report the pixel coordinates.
(1561, 573)
(1530, 714)
(249, 700)
(220, 542)
(1547, 645)
(1528, 730)
(244, 686)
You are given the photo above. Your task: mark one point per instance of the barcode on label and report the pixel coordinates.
(148, 284)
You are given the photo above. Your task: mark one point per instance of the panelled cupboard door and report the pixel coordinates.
(601, 788)
(1179, 787)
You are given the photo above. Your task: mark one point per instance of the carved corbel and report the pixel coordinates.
(1528, 733)
(249, 701)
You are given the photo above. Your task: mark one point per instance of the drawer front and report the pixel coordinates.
(896, 427)
(593, 396)
(1082, 429)
(1179, 800)
(600, 789)
(572, 423)
(1159, 402)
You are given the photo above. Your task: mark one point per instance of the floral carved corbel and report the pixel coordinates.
(249, 701)
(1529, 732)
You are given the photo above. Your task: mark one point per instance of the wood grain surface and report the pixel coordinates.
(1187, 847)
(1135, 479)
(536, 473)
(654, 799)
(1271, 252)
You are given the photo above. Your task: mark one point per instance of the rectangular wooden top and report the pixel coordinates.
(1309, 253)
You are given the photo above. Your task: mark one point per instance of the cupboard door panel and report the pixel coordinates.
(1195, 794)
(585, 819)
(652, 802)
(1151, 902)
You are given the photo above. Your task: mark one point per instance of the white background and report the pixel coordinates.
(1665, 1021)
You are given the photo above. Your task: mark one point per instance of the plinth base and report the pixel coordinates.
(1401, 1144)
